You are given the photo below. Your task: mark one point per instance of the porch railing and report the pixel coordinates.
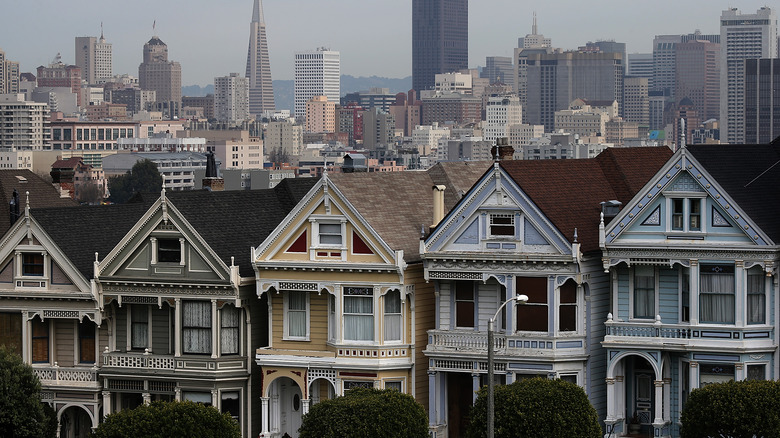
(158, 362)
(648, 331)
(476, 342)
(57, 374)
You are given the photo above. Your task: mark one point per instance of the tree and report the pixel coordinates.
(22, 414)
(366, 412)
(744, 409)
(142, 178)
(169, 419)
(89, 193)
(539, 408)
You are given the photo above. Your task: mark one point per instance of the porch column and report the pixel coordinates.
(510, 377)
(305, 406)
(432, 398)
(667, 399)
(474, 386)
(147, 398)
(106, 403)
(693, 375)
(177, 328)
(659, 403)
(620, 397)
(215, 398)
(611, 400)
(177, 394)
(265, 415)
(26, 338)
(214, 330)
(694, 293)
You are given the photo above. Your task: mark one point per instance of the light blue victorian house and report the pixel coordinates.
(691, 261)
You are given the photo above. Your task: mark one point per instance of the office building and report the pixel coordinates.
(742, 36)
(533, 43)
(283, 139)
(378, 129)
(664, 56)
(640, 65)
(94, 57)
(59, 75)
(163, 76)
(23, 125)
(9, 75)
(534, 40)
(232, 98)
(440, 39)
(636, 100)
(350, 122)
(258, 65)
(500, 113)
(697, 73)
(317, 73)
(499, 69)
(762, 100)
(320, 115)
(377, 97)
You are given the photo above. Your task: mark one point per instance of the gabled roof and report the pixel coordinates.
(569, 192)
(230, 222)
(750, 174)
(399, 205)
(42, 193)
(70, 163)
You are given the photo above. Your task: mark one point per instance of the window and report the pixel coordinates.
(359, 314)
(11, 331)
(718, 373)
(756, 372)
(32, 265)
(168, 251)
(203, 398)
(231, 404)
(196, 327)
(571, 378)
(330, 234)
(502, 224)
(349, 384)
(297, 318)
(393, 318)
(395, 385)
(716, 294)
(533, 315)
(756, 298)
(332, 317)
(86, 342)
(139, 327)
(229, 333)
(40, 341)
(682, 208)
(685, 290)
(464, 304)
(567, 311)
(644, 292)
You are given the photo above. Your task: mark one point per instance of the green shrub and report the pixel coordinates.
(169, 420)
(538, 408)
(21, 412)
(364, 412)
(743, 409)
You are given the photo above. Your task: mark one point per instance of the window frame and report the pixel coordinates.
(135, 310)
(286, 319)
(187, 328)
(633, 290)
(533, 305)
(494, 220)
(223, 329)
(330, 222)
(84, 337)
(467, 285)
(702, 294)
(37, 265)
(42, 336)
(755, 272)
(345, 315)
(399, 315)
(560, 305)
(687, 201)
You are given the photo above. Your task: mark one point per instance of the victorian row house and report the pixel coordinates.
(648, 274)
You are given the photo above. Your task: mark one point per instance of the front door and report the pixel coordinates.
(290, 405)
(643, 406)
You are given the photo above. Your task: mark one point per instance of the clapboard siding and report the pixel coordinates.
(487, 303)
(445, 308)
(64, 341)
(596, 310)
(121, 329)
(622, 294)
(668, 296)
(161, 330)
(425, 319)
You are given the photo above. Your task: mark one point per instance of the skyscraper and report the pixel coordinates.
(9, 75)
(440, 39)
(94, 57)
(697, 69)
(762, 100)
(231, 98)
(163, 76)
(742, 36)
(317, 73)
(258, 65)
(664, 59)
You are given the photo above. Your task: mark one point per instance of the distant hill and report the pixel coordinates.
(284, 95)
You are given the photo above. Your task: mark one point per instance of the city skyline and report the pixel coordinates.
(217, 47)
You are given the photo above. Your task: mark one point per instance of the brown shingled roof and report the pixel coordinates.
(569, 192)
(398, 205)
(42, 193)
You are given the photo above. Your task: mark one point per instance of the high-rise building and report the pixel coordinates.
(320, 115)
(636, 101)
(231, 98)
(500, 113)
(317, 73)
(533, 43)
(697, 73)
(640, 65)
(533, 40)
(742, 36)
(9, 75)
(163, 76)
(440, 39)
(23, 125)
(664, 56)
(258, 65)
(94, 57)
(762, 100)
(378, 129)
(59, 75)
(499, 69)
(554, 80)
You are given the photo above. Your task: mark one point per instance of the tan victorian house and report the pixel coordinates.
(347, 303)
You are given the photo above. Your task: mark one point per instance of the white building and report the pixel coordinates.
(317, 73)
(162, 143)
(94, 57)
(231, 98)
(23, 124)
(501, 112)
(561, 146)
(521, 134)
(177, 169)
(426, 137)
(742, 36)
(454, 83)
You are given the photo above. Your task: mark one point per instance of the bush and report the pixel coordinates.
(365, 412)
(539, 408)
(743, 409)
(168, 420)
(21, 412)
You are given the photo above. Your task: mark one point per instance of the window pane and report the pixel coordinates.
(644, 292)
(11, 331)
(168, 250)
(32, 264)
(502, 224)
(297, 300)
(532, 318)
(534, 287)
(677, 214)
(40, 340)
(695, 215)
(569, 292)
(139, 326)
(87, 342)
(568, 318)
(464, 314)
(196, 327)
(756, 372)
(716, 299)
(229, 334)
(756, 299)
(359, 318)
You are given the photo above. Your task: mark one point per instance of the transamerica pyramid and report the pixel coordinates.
(258, 65)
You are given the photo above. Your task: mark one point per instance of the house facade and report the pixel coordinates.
(692, 266)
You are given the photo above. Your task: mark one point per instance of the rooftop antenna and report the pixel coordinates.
(533, 28)
(101, 31)
(154, 27)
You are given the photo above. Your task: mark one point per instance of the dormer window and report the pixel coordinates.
(330, 234)
(168, 251)
(32, 265)
(686, 214)
(502, 224)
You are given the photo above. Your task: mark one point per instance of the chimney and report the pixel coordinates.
(438, 204)
(502, 151)
(212, 181)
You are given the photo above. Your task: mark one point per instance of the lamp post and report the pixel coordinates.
(520, 299)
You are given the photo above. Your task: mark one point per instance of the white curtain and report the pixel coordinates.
(716, 299)
(644, 292)
(756, 299)
(196, 327)
(393, 315)
(359, 318)
(229, 335)
(296, 314)
(139, 326)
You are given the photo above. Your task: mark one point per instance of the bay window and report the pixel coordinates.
(358, 314)
(464, 304)
(644, 292)
(533, 315)
(716, 294)
(297, 314)
(40, 341)
(139, 326)
(196, 327)
(86, 342)
(229, 330)
(393, 318)
(756, 298)
(567, 310)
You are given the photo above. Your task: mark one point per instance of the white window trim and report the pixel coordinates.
(686, 197)
(631, 295)
(340, 316)
(767, 299)
(454, 305)
(401, 380)
(286, 319)
(503, 213)
(130, 307)
(578, 293)
(402, 335)
(19, 262)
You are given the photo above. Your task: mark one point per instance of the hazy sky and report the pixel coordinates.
(209, 37)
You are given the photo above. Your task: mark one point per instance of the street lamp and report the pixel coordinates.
(519, 299)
